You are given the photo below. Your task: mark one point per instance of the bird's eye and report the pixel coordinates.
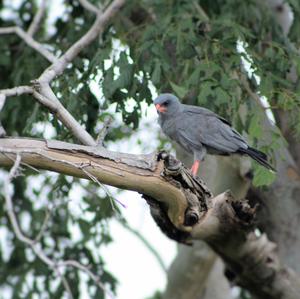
(166, 103)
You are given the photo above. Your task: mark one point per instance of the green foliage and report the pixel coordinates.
(195, 56)
(56, 240)
(262, 176)
(171, 44)
(156, 295)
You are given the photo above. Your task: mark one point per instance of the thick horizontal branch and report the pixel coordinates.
(141, 173)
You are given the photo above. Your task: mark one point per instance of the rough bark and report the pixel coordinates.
(182, 205)
(141, 173)
(219, 174)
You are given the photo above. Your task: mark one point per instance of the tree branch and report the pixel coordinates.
(42, 83)
(56, 108)
(27, 38)
(36, 22)
(89, 6)
(180, 204)
(2, 102)
(42, 91)
(16, 91)
(101, 21)
(116, 169)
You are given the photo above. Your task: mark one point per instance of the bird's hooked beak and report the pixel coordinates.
(160, 108)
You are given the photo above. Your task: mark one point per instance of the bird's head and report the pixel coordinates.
(167, 104)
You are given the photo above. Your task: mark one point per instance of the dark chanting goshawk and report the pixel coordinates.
(199, 131)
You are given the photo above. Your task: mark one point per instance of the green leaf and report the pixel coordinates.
(179, 90)
(255, 127)
(156, 74)
(263, 176)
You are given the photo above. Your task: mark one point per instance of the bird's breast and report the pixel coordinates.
(169, 128)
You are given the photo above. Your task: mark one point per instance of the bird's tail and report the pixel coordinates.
(258, 156)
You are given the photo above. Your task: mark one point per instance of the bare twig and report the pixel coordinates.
(201, 11)
(2, 102)
(64, 282)
(44, 225)
(109, 195)
(16, 91)
(36, 22)
(85, 269)
(103, 132)
(9, 204)
(22, 163)
(54, 105)
(29, 41)
(89, 6)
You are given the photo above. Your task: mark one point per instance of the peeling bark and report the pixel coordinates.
(174, 186)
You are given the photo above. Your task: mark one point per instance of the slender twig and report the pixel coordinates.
(89, 6)
(85, 269)
(64, 282)
(201, 11)
(54, 105)
(22, 163)
(9, 204)
(2, 102)
(44, 225)
(16, 91)
(29, 41)
(103, 132)
(109, 195)
(36, 22)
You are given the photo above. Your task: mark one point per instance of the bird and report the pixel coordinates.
(200, 131)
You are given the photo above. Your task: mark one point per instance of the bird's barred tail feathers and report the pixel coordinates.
(258, 156)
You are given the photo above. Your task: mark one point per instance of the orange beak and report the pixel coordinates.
(160, 108)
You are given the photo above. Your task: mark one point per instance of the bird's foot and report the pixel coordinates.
(195, 167)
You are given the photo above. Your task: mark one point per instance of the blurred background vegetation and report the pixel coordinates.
(227, 55)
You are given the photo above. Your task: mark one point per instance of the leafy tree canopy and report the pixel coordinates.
(189, 48)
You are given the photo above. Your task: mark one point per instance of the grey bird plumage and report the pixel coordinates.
(200, 131)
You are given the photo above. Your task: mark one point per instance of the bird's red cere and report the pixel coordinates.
(160, 108)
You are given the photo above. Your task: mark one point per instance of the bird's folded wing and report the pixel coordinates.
(204, 112)
(210, 131)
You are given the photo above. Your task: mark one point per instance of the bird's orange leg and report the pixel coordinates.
(195, 167)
